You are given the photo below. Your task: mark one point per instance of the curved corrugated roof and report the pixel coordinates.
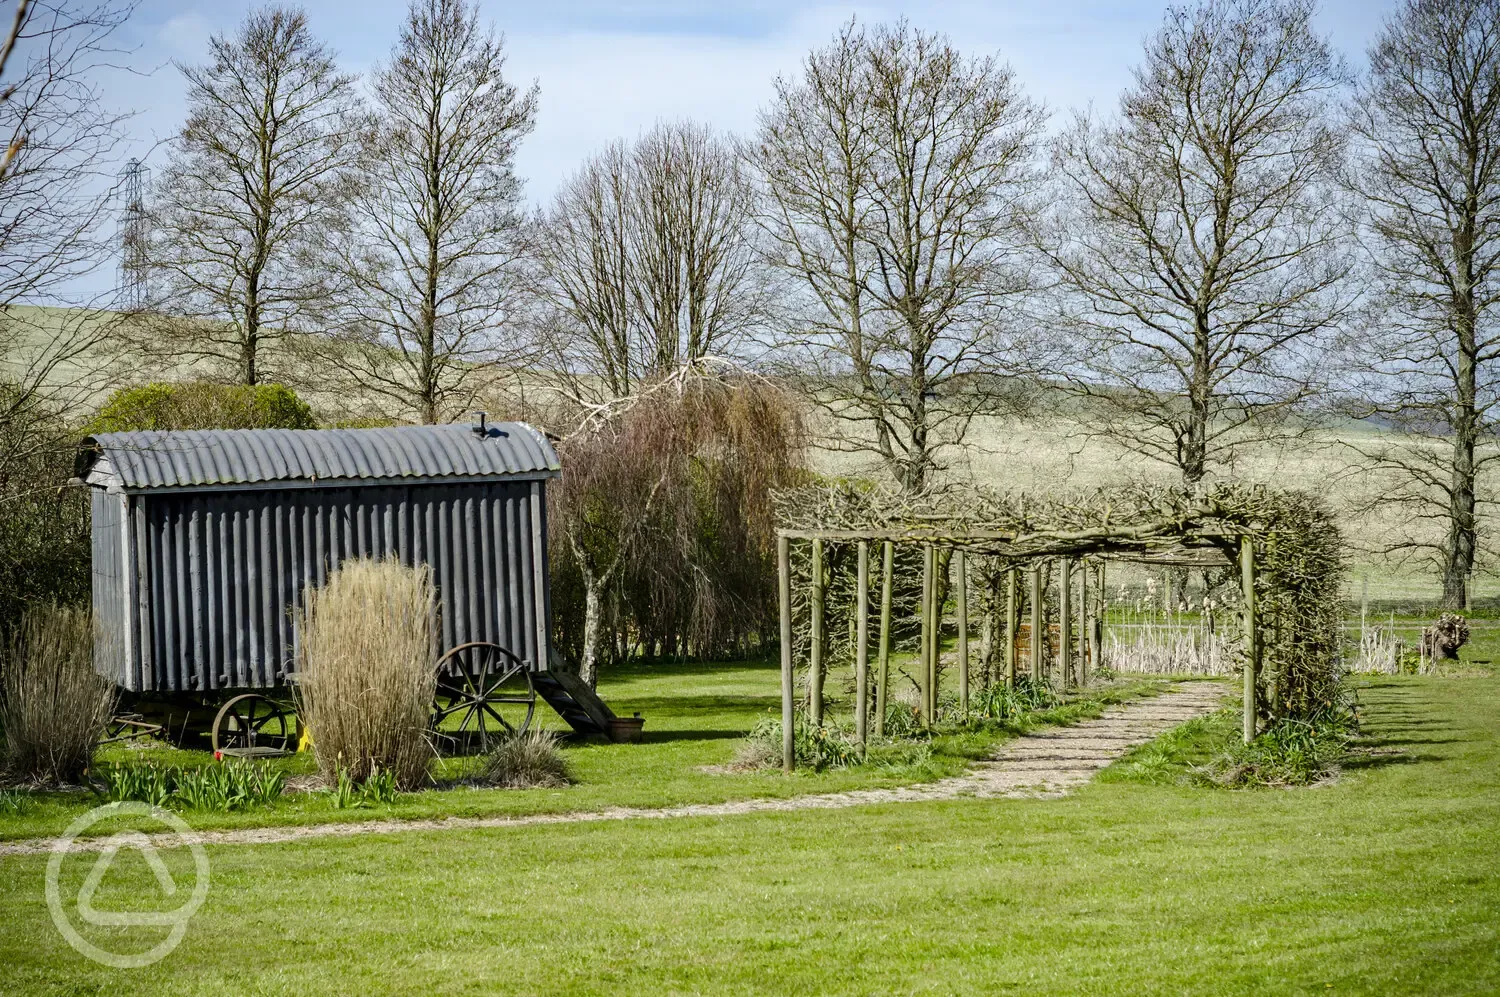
(246, 457)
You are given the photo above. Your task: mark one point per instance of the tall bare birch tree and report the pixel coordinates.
(249, 183)
(1197, 249)
(427, 256)
(896, 175)
(1428, 118)
(646, 261)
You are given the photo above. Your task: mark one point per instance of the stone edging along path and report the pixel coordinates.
(1044, 764)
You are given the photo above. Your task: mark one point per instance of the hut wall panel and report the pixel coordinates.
(109, 587)
(221, 574)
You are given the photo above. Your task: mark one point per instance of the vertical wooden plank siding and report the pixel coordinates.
(788, 706)
(862, 647)
(1247, 584)
(815, 665)
(887, 556)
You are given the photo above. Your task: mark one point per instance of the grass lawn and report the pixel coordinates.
(1385, 882)
(695, 714)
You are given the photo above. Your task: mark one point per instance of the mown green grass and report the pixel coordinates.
(696, 716)
(1383, 883)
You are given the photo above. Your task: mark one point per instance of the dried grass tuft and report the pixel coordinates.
(54, 705)
(1167, 650)
(366, 670)
(528, 760)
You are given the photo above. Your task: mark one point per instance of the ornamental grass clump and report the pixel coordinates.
(53, 704)
(365, 670)
(527, 760)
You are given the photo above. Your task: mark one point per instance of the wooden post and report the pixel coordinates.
(926, 635)
(1083, 622)
(887, 555)
(963, 633)
(788, 702)
(815, 665)
(862, 647)
(1012, 623)
(1096, 635)
(935, 656)
(1036, 622)
(1065, 620)
(1247, 583)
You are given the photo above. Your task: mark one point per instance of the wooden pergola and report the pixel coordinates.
(1172, 542)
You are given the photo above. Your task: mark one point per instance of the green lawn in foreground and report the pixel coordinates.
(695, 714)
(1385, 882)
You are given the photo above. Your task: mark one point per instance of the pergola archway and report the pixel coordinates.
(1218, 529)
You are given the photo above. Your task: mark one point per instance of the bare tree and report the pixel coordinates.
(896, 174)
(56, 187)
(248, 183)
(1194, 244)
(1428, 118)
(428, 254)
(646, 261)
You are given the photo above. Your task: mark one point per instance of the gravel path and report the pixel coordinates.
(1046, 764)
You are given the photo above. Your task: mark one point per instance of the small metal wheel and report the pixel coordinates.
(252, 725)
(484, 692)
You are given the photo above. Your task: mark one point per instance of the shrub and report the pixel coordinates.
(1002, 702)
(816, 747)
(366, 670)
(1289, 752)
(527, 760)
(202, 405)
(45, 548)
(55, 706)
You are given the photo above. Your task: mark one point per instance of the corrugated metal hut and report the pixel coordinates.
(204, 541)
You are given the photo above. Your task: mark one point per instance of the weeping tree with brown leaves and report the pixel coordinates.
(661, 526)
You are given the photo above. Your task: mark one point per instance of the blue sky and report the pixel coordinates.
(609, 70)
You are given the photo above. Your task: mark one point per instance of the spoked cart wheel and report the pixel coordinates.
(484, 693)
(253, 726)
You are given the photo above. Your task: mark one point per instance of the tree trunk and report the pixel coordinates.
(593, 618)
(1458, 550)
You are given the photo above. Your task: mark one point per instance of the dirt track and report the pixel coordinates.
(1045, 764)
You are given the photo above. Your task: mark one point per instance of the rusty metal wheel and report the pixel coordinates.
(484, 693)
(253, 725)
